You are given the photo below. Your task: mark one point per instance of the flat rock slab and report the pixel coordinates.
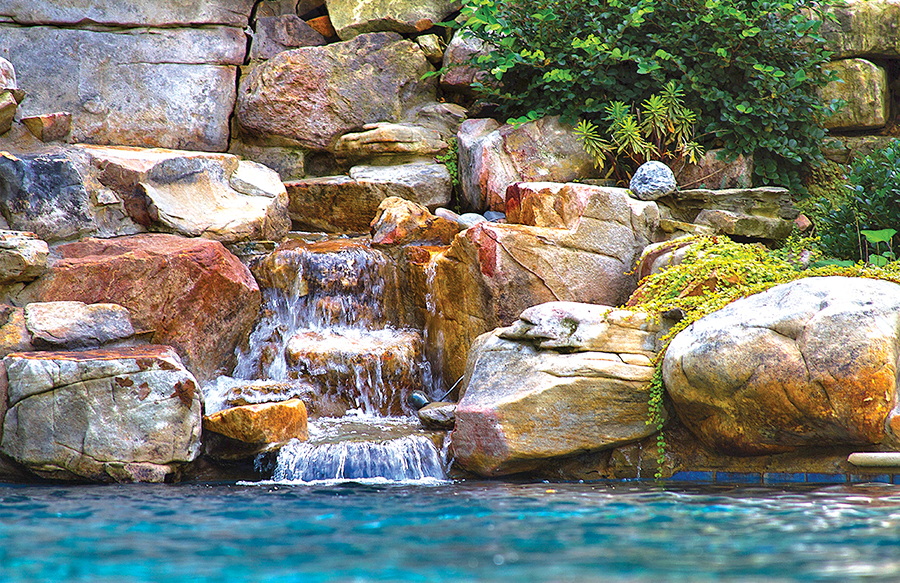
(128, 414)
(352, 17)
(167, 87)
(808, 363)
(76, 324)
(116, 13)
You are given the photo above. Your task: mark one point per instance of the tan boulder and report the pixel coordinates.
(564, 380)
(23, 256)
(492, 272)
(314, 95)
(8, 106)
(261, 423)
(352, 17)
(808, 363)
(190, 293)
(128, 414)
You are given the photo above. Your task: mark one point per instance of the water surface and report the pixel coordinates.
(438, 531)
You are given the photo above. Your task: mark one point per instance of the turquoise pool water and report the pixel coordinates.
(465, 531)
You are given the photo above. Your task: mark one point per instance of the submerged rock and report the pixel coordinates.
(128, 414)
(566, 378)
(808, 363)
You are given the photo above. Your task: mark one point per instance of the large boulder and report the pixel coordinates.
(188, 293)
(165, 87)
(492, 272)
(566, 378)
(863, 28)
(107, 191)
(491, 157)
(314, 95)
(352, 17)
(130, 414)
(808, 363)
(863, 86)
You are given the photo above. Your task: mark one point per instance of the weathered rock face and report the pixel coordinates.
(350, 203)
(111, 12)
(185, 78)
(71, 325)
(316, 94)
(261, 423)
(400, 222)
(492, 272)
(23, 257)
(352, 17)
(547, 204)
(275, 34)
(710, 172)
(762, 213)
(49, 127)
(108, 191)
(130, 414)
(215, 196)
(395, 140)
(491, 157)
(863, 27)
(191, 293)
(459, 75)
(808, 363)
(863, 86)
(566, 378)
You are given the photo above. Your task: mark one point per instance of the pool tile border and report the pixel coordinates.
(777, 478)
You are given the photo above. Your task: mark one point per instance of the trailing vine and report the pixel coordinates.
(716, 271)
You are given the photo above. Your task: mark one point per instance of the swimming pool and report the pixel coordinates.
(442, 531)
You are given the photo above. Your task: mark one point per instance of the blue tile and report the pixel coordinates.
(897, 478)
(692, 477)
(738, 477)
(861, 478)
(826, 478)
(784, 478)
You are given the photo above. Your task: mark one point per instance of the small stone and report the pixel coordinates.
(652, 180)
(323, 26)
(8, 108)
(438, 415)
(495, 216)
(431, 46)
(50, 127)
(471, 219)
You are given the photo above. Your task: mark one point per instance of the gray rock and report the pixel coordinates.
(72, 325)
(275, 34)
(459, 75)
(289, 162)
(807, 363)
(314, 95)
(471, 219)
(524, 403)
(129, 414)
(652, 180)
(23, 257)
(170, 88)
(425, 184)
(495, 216)
(438, 415)
(113, 12)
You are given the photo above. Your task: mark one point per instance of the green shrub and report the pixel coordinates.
(751, 68)
(850, 228)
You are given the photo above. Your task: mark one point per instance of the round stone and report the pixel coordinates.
(652, 180)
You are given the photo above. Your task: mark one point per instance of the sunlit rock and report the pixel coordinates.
(808, 363)
(566, 378)
(129, 414)
(261, 423)
(400, 222)
(71, 325)
(23, 256)
(352, 17)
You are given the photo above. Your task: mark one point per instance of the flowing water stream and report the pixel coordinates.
(329, 335)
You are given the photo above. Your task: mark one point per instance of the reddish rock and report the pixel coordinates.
(50, 127)
(191, 293)
(401, 221)
(547, 204)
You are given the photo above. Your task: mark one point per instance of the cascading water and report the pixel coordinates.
(327, 335)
